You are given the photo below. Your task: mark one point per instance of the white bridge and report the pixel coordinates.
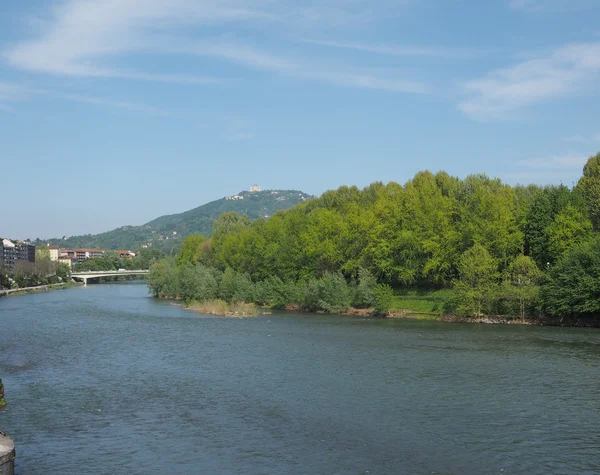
(86, 275)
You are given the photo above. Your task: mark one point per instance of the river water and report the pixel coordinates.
(104, 379)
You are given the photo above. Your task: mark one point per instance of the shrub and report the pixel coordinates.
(334, 293)
(271, 292)
(383, 299)
(363, 290)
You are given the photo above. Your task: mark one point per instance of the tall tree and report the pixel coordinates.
(589, 184)
(477, 272)
(524, 277)
(191, 249)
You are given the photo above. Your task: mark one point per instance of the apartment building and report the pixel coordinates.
(13, 251)
(79, 255)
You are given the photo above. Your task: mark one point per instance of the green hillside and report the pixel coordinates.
(167, 232)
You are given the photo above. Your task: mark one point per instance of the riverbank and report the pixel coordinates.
(224, 309)
(245, 310)
(39, 288)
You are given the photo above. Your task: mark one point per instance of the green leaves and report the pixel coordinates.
(573, 288)
(477, 281)
(589, 184)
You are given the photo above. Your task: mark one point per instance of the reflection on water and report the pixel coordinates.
(104, 379)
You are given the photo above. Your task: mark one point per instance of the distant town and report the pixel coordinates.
(12, 252)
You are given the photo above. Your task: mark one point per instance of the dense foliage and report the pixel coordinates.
(573, 287)
(495, 245)
(28, 274)
(168, 232)
(332, 293)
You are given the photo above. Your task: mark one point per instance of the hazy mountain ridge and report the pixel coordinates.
(168, 231)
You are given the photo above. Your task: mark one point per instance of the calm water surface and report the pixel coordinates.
(107, 380)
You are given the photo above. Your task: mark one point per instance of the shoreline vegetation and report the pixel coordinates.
(438, 247)
(37, 288)
(221, 308)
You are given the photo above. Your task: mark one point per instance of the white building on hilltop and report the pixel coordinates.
(254, 188)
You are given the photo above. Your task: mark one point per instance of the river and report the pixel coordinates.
(105, 379)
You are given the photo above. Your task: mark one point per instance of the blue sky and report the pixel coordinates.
(114, 112)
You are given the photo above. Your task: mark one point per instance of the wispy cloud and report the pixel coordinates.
(85, 38)
(543, 177)
(316, 70)
(99, 101)
(567, 70)
(583, 140)
(552, 5)
(11, 94)
(568, 161)
(396, 50)
(565, 168)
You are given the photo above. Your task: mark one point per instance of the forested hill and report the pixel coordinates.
(167, 232)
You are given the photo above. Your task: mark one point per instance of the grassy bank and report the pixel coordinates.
(224, 309)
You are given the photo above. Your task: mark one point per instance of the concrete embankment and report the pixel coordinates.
(39, 288)
(7, 455)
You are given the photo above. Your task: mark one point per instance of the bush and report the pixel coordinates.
(383, 299)
(330, 294)
(196, 282)
(334, 293)
(236, 287)
(271, 292)
(363, 290)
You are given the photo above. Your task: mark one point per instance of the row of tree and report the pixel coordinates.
(502, 249)
(331, 293)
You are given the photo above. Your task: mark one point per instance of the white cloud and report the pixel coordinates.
(395, 49)
(329, 72)
(567, 70)
(565, 168)
(552, 5)
(11, 94)
(568, 161)
(83, 38)
(99, 101)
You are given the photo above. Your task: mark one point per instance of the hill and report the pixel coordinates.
(167, 232)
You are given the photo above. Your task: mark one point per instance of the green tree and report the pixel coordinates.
(524, 278)
(384, 299)
(476, 284)
(334, 293)
(539, 217)
(589, 184)
(196, 282)
(573, 288)
(569, 228)
(147, 256)
(163, 279)
(191, 249)
(364, 289)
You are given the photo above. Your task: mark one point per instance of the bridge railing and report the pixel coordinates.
(141, 271)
